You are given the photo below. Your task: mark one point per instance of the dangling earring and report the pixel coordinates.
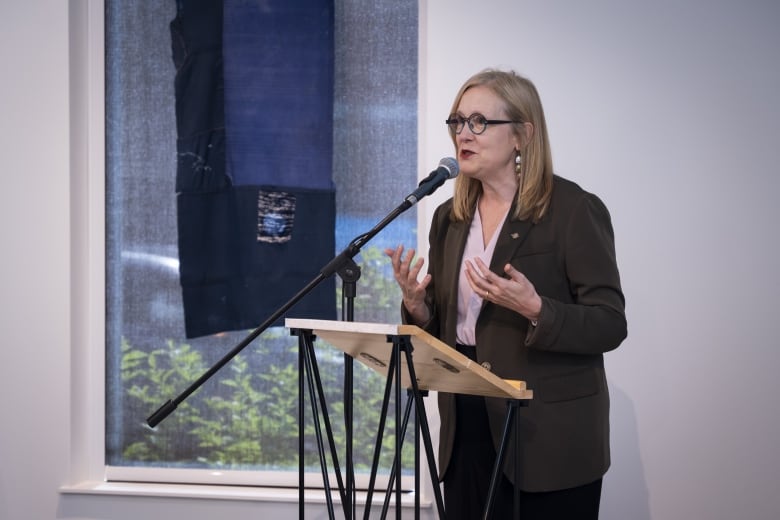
(518, 163)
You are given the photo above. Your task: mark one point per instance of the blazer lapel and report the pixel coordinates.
(513, 234)
(454, 245)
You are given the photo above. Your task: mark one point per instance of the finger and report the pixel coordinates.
(394, 254)
(475, 280)
(409, 257)
(406, 265)
(513, 273)
(484, 282)
(395, 262)
(399, 262)
(423, 285)
(414, 272)
(399, 251)
(417, 291)
(482, 268)
(473, 269)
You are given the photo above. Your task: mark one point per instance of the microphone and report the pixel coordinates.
(448, 169)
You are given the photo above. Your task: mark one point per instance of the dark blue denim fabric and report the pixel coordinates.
(255, 198)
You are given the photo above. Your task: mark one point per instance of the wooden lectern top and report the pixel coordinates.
(438, 367)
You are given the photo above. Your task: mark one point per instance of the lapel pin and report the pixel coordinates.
(515, 235)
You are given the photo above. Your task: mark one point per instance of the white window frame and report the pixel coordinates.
(89, 473)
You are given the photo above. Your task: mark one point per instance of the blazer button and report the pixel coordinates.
(487, 366)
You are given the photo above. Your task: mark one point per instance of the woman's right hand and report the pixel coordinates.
(413, 291)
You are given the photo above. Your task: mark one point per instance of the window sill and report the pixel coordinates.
(222, 492)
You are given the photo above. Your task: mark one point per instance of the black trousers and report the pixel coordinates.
(467, 481)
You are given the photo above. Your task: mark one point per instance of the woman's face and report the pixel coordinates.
(491, 154)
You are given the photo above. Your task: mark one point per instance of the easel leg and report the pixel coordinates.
(380, 432)
(307, 368)
(301, 448)
(394, 469)
(422, 422)
(402, 343)
(512, 406)
(398, 444)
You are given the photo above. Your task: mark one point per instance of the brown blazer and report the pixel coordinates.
(569, 256)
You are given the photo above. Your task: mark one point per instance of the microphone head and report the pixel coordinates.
(451, 165)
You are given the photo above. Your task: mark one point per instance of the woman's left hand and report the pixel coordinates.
(515, 292)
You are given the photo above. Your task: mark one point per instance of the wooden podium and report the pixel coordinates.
(438, 366)
(422, 363)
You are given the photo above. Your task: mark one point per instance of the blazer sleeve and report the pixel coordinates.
(591, 318)
(435, 234)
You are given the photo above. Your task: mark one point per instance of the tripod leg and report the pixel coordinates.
(378, 447)
(301, 450)
(511, 409)
(422, 421)
(318, 431)
(307, 367)
(328, 429)
(397, 479)
(407, 414)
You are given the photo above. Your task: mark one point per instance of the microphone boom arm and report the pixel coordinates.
(328, 270)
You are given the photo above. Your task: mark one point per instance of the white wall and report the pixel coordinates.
(665, 109)
(668, 110)
(35, 260)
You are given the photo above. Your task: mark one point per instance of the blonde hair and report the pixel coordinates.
(522, 103)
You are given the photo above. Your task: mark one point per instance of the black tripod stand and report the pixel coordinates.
(401, 345)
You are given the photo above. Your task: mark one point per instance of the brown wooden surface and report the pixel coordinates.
(437, 366)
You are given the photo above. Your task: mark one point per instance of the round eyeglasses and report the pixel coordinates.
(477, 123)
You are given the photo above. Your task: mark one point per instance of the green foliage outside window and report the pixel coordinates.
(246, 417)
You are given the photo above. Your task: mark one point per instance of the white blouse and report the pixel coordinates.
(469, 302)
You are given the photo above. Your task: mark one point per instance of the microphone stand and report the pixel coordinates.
(349, 274)
(344, 265)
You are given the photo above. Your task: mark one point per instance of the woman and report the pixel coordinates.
(522, 277)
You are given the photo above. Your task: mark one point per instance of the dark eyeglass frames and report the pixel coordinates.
(477, 123)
